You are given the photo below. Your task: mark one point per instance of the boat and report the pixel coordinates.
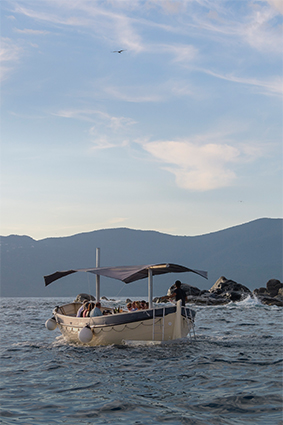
(155, 324)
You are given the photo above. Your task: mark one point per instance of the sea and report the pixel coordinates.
(229, 372)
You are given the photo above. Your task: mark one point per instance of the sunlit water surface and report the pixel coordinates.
(231, 373)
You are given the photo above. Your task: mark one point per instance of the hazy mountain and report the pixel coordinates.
(250, 254)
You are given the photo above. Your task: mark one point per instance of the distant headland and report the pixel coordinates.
(250, 254)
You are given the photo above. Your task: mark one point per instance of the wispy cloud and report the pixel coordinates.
(31, 31)
(104, 141)
(52, 17)
(180, 53)
(93, 115)
(168, 6)
(256, 26)
(116, 27)
(262, 32)
(148, 93)
(10, 53)
(270, 86)
(135, 94)
(277, 4)
(106, 131)
(116, 220)
(117, 22)
(200, 165)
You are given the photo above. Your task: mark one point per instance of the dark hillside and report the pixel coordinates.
(250, 254)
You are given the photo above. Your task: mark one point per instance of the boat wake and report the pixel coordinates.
(140, 343)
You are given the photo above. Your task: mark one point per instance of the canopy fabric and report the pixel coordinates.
(127, 274)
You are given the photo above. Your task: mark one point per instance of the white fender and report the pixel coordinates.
(51, 324)
(85, 335)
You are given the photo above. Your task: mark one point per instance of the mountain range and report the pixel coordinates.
(249, 254)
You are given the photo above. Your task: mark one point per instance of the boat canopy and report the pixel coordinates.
(127, 274)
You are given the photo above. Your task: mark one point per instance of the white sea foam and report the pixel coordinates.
(250, 301)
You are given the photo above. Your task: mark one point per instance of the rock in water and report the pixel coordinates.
(273, 286)
(190, 290)
(230, 289)
(223, 285)
(226, 290)
(272, 294)
(81, 297)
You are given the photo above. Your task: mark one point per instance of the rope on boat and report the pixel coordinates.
(96, 331)
(88, 282)
(104, 327)
(122, 287)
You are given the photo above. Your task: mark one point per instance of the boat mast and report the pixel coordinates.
(150, 281)
(97, 276)
(150, 287)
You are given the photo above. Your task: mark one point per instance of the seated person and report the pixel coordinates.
(81, 309)
(134, 306)
(129, 306)
(87, 309)
(96, 311)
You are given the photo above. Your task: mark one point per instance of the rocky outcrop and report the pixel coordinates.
(229, 289)
(81, 297)
(272, 294)
(222, 292)
(190, 290)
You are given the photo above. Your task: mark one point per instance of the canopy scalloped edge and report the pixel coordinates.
(127, 274)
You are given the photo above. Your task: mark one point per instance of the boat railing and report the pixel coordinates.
(163, 323)
(191, 319)
(153, 324)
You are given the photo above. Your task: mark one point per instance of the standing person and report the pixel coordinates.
(179, 293)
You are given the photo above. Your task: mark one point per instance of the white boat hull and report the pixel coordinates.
(158, 324)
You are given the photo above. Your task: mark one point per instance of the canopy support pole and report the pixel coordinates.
(150, 288)
(97, 276)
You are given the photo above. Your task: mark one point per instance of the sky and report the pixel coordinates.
(179, 133)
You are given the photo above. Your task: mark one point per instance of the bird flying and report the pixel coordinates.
(118, 51)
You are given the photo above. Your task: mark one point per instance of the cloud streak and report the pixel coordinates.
(106, 132)
(201, 166)
(10, 54)
(121, 24)
(93, 115)
(270, 86)
(29, 31)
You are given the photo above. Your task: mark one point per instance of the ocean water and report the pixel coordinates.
(230, 373)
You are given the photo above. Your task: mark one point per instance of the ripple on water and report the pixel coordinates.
(230, 374)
